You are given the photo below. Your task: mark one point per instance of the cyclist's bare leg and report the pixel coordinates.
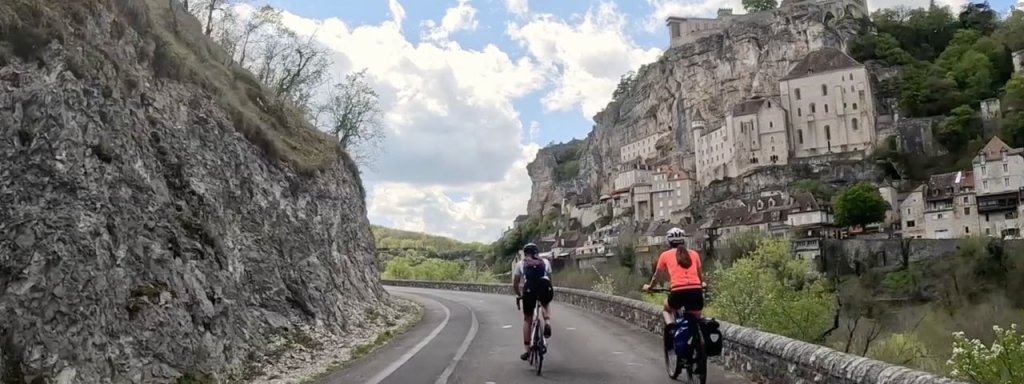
(527, 323)
(670, 324)
(546, 315)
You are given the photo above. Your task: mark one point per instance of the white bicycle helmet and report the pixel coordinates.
(675, 235)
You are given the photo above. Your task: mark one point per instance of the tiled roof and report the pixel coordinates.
(995, 147)
(804, 202)
(820, 61)
(659, 228)
(946, 185)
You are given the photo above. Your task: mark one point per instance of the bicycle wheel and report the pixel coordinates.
(538, 344)
(697, 372)
(673, 362)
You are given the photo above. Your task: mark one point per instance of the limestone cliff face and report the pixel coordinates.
(142, 237)
(709, 75)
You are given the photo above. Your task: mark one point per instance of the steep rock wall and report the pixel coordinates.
(143, 238)
(709, 75)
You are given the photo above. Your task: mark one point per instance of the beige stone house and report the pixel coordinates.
(911, 209)
(671, 193)
(1001, 172)
(684, 30)
(830, 105)
(762, 138)
(950, 210)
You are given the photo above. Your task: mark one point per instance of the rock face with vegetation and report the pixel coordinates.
(555, 173)
(163, 217)
(709, 75)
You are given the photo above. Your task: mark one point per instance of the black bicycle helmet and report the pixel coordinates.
(531, 249)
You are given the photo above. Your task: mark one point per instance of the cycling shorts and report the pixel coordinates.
(534, 291)
(691, 299)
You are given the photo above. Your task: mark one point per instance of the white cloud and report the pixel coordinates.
(586, 58)
(534, 131)
(462, 17)
(397, 12)
(482, 216)
(450, 123)
(518, 7)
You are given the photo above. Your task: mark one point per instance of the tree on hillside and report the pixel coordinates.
(291, 66)
(759, 5)
(773, 291)
(1011, 31)
(1013, 104)
(859, 205)
(926, 91)
(978, 16)
(352, 113)
(962, 126)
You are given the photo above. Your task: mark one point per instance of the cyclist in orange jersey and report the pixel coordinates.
(686, 280)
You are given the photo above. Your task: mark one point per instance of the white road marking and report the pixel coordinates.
(412, 352)
(506, 326)
(617, 352)
(462, 348)
(570, 328)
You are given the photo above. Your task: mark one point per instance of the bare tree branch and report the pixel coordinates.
(352, 113)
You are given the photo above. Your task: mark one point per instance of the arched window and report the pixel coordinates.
(800, 136)
(826, 108)
(771, 125)
(855, 124)
(854, 106)
(797, 92)
(813, 108)
(799, 112)
(828, 133)
(824, 90)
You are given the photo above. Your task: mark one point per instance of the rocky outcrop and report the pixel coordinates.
(555, 176)
(148, 235)
(709, 75)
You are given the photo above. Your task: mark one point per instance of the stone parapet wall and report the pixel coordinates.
(760, 356)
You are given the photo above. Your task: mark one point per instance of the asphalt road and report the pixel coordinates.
(475, 338)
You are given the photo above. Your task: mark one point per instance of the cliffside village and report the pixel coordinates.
(825, 110)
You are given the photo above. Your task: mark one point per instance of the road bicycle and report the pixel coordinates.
(689, 350)
(538, 345)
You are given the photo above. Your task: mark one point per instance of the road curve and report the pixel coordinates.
(468, 337)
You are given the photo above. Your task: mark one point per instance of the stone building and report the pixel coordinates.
(761, 139)
(684, 30)
(671, 193)
(640, 149)
(1018, 60)
(714, 151)
(912, 214)
(950, 210)
(830, 105)
(1001, 172)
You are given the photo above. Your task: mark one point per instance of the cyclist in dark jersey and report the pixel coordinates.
(537, 288)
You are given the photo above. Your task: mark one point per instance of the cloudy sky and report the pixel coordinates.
(472, 88)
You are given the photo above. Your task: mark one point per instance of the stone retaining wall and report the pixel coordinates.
(761, 356)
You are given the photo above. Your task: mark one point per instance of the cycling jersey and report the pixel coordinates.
(679, 277)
